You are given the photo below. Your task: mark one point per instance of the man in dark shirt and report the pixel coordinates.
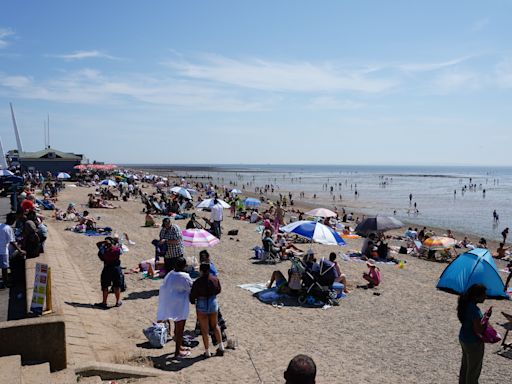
(112, 273)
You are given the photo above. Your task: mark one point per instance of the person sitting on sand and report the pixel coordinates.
(372, 276)
(87, 221)
(482, 243)
(281, 283)
(340, 277)
(286, 246)
(149, 221)
(269, 246)
(255, 216)
(501, 251)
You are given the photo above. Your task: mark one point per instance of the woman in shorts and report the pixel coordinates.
(204, 295)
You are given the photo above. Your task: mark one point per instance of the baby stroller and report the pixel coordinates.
(317, 283)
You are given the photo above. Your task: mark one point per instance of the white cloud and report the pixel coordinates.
(80, 55)
(90, 86)
(275, 76)
(5, 33)
(427, 67)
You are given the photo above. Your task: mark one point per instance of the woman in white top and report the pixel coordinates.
(173, 303)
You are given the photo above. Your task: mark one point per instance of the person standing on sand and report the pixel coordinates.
(473, 348)
(301, 370)
(171, 235)
(216, 217)
(279, 217)
(112, 273)
(173, 303)
(504, 234)
(204, 295)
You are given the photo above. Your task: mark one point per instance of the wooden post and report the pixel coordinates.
(48, 308)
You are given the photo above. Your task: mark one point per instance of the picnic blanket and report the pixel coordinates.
(275, 298)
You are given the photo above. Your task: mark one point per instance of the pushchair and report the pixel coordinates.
(317, 284)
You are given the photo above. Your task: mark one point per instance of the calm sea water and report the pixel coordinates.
(432, 189)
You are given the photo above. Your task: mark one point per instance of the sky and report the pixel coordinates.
(260, 82)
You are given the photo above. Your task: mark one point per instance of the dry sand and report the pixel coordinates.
(408, 334)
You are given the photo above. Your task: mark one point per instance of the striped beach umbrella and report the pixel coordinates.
(198, 238)
(314, 231)
(437, 243)
(108, 182)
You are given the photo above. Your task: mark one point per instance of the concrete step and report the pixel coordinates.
(66, 376)
(11, 369)
(36, 374)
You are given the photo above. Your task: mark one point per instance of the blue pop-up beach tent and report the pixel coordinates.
(473, 267)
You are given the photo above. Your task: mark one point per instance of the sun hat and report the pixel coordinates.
(370, 263)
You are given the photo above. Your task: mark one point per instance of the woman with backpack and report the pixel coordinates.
(470, 318)
(204, 295)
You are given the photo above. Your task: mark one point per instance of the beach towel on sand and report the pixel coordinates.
(271, 296)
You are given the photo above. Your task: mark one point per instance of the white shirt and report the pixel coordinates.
(173, 299)
(254, 217)
(6, 237)
(216, 214)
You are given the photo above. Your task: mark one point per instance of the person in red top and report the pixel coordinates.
(112, 273)
(28, 204)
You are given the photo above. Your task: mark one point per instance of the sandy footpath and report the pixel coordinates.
(408, 334)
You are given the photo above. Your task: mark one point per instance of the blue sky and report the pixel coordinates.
(290, 82)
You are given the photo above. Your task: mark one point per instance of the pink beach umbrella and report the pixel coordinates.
(321, 212)
(198, 238)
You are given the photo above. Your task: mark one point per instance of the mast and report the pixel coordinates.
(18, 139)
(3, 162)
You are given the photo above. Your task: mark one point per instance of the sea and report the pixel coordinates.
(460, 198)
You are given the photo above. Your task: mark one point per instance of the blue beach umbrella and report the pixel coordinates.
(314, 231)
(473, 267)
(251, 202)
(108, 182)
(63, 175)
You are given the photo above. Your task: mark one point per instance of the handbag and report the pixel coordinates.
(489, 335)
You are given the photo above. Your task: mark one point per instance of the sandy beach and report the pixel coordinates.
(407, 334)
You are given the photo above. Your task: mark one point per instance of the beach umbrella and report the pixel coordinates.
(63, 175)
(235, 191)
(159, 184)
(252, 202)
(108, 182)
(438, 243)
(181, 191)
(192, 191)
(314, 231)
(321, 212)
(473, 267)
(208, 203)
(5, 172)
(198, 238)
(378, 224)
